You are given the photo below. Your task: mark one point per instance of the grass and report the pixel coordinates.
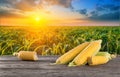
(56, 40)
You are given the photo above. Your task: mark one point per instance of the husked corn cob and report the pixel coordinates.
(89, 51)
(70, 55)
(106, 54)
(113, 55)
(97, 60)
(27, 55)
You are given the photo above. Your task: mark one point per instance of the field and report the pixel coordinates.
(56, 40)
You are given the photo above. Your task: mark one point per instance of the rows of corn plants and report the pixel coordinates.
(56, 40)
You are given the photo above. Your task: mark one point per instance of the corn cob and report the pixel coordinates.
(27, 55)
(89, 51)
(113, 55)
(106, 54)
(70, 55)
(97, 60)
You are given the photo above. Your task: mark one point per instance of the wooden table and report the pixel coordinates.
(13, 67)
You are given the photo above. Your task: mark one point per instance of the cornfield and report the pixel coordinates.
(56, 40)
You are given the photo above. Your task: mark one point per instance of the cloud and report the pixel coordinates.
(4, 1)
(23, 7)
(65, 3)
(10, 12)
(115, 8)
(82, 11)
(105, 12)
(26, 5)
(106, 17)
(107, 6)
(99, 8)
(94, 13)
(29, 5)
(64, 8)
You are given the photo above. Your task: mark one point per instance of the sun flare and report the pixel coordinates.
(37, 19)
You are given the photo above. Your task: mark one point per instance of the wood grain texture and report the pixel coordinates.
(13, 67)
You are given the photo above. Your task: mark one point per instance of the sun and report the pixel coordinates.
(37, 19)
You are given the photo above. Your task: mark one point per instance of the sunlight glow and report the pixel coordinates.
(37, 19)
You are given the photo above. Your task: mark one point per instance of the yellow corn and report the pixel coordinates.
(97, 60)
(70, 55)
(89, 51)
(27, 55)
(113, 55)
(106, 54)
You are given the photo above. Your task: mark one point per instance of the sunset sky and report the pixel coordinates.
(60, 12)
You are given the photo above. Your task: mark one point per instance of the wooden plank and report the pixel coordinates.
(13, 67)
